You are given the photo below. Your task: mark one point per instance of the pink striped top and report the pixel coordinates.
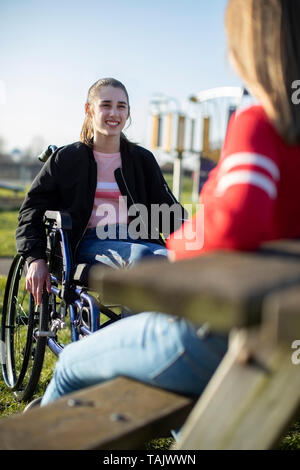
(109, 204)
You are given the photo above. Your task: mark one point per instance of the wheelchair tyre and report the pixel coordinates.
(22, 353)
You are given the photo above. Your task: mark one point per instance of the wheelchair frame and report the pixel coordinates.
(27, 329)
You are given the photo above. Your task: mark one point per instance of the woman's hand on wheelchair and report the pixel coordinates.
(36, 277)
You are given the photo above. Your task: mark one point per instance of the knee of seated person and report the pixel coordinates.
(138, 253)
(64, 357)
(61, 364)
(65, 371)
(150, 251)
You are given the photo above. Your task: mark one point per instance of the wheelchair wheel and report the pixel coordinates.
(22, 352)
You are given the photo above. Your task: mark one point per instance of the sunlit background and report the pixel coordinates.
(52, 51)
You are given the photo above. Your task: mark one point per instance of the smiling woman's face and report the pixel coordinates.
(110, 111)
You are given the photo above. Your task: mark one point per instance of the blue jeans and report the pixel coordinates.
(154, 348)
(121, 252)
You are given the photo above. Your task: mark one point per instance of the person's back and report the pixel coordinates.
(287, 215)
(254, 148)
(252, 195)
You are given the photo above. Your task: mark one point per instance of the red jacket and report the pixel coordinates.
(253, 195)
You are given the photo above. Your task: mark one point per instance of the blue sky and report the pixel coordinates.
(52, 51)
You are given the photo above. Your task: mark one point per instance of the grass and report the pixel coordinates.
(8, 403)
(8, 193)
(186, 192)
(8, 223)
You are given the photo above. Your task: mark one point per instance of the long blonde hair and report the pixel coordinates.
(264, 41)
(87, 130)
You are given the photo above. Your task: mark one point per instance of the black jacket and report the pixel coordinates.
(67, 182)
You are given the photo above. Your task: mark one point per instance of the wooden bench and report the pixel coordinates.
(254, 394)
(119, 414)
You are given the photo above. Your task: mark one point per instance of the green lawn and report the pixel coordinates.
(8, 223)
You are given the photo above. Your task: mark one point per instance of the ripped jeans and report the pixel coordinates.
(154, 348)
(121, 252)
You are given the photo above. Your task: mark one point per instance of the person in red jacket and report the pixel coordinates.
(251, 196)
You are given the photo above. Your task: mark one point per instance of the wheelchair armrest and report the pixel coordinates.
(62, 219)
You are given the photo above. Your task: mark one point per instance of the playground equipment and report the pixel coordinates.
(194, 135)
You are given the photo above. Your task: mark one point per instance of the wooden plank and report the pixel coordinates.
(120, 414)
(281, 311)
(285, 248)
(226, 289)
(251, 399)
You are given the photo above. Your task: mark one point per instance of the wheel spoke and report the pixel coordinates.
(23, 354)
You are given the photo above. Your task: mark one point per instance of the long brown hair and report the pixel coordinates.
(264, 40)
(87, 131)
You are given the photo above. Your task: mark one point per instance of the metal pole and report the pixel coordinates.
(177, 167)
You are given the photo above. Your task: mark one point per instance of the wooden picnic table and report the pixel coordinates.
(255, 297)
(225, 289)
(254, 394)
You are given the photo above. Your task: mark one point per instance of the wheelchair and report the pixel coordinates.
(69, 313)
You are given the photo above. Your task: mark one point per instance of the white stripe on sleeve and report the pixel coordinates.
(246, 177)
(247, 158)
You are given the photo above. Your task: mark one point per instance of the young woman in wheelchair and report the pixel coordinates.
(252, 196)
(102, 182)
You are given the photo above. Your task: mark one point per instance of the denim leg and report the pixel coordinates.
(144, 250)
(117, 253)
(111, 253)
(154, 348)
